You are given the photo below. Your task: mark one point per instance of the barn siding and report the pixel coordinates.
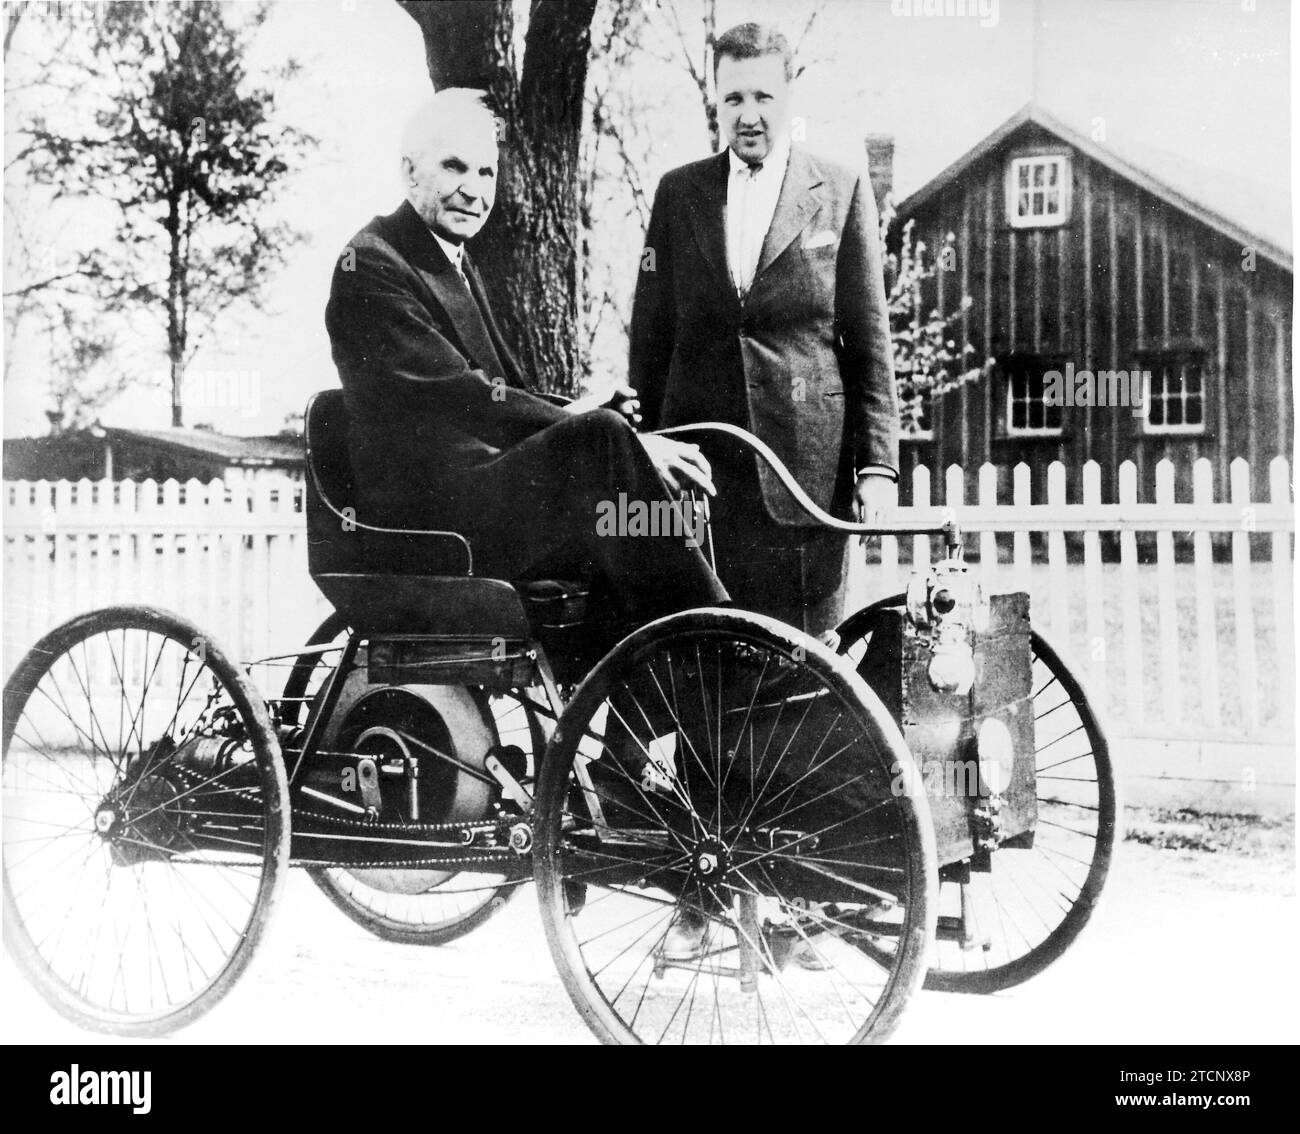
(1126, 273)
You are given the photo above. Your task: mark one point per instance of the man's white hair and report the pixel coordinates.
(436, 117)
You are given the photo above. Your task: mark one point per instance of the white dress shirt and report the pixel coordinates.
(752, 193)
(455, 253)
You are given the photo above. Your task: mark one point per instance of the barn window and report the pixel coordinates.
(1029, 414)
(1038, 191)
(1175, 401)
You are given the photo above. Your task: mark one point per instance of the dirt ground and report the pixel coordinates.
(1195, 942)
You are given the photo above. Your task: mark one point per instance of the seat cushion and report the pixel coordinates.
(427, 605)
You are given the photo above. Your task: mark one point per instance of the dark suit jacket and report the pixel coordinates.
(417, 369)
(805, 361)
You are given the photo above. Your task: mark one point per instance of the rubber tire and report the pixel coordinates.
(20, 686)
(554, 788)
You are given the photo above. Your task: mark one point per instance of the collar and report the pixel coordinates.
(454, 252)
(776, 161)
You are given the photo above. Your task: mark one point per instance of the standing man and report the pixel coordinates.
(445, 431)
(761, 302)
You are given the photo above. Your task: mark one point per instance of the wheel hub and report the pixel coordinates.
(105, 821)
(710, 862)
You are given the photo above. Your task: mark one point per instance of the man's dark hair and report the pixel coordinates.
(750, 41)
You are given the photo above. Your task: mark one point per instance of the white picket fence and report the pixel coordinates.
(1181, 647)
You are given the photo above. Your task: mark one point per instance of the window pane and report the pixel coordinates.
(1053, 202)
(1053, 172)
(1038, 204)
(1022, 207)
(1038, 174)
(1023, 176)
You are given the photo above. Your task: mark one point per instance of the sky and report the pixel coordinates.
(1194, 91)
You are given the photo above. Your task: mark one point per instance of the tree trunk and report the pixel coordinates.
(175, 324)
(529, 251)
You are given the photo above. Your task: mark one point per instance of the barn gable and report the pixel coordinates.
(1074, 258)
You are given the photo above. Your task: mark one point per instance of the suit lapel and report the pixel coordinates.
(510, 365)
(794, 208)
(708, 213)
(417, 244)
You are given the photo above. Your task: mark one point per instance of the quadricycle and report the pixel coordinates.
(923, 798)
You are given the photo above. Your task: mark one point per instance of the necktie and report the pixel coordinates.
(750, 241)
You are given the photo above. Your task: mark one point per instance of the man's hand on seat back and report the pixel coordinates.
(624, 400)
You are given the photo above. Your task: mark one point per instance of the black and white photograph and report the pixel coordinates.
(553, 522)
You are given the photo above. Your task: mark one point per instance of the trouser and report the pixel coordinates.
(536, 511)
(795, 574)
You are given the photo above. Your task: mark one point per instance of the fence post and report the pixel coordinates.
(990, 569)
(79, 547)
(1207, 644)
(1093, 615)
(1169, 677)
(1021, 549)
(1279, 492)
(172, 518)
(1058, 583)
(1131, 615)
(146, 504)
(235, 584)
(1244, 614)
(921, 499)
(213, 494)
(954, 496)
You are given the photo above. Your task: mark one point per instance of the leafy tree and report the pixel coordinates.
(928, 363)
(83, 377)
(184, 146)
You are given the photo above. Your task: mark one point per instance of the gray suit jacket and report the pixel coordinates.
(809, 345)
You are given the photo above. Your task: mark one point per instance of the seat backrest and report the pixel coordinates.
(326, 433)
(339, 539)
(330, 547)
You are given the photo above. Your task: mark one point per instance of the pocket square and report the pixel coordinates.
(819, 240)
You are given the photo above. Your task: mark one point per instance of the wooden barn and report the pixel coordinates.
(1076, 260)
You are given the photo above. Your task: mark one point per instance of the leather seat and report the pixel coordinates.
(389, 581)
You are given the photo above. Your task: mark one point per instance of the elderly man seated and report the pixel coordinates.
(446, 430)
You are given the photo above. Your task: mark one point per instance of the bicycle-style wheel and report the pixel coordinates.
(146, 830)
(1038, 898)
(725, 823)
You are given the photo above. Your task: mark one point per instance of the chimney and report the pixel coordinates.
(880, 165)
